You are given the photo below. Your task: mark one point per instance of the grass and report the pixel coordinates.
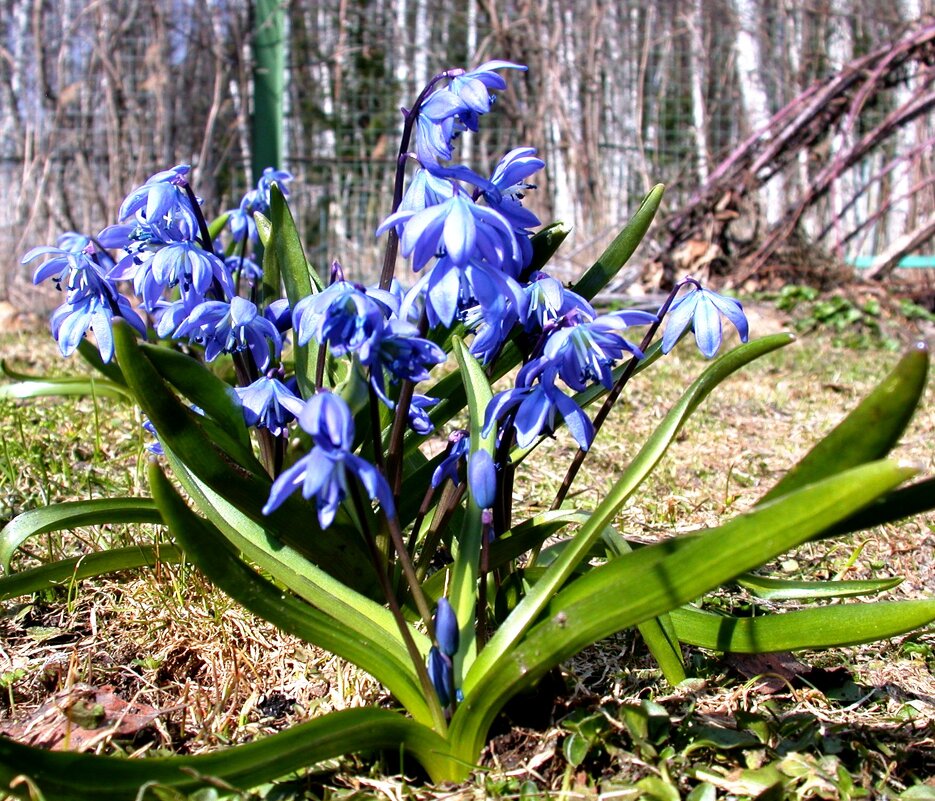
(201, 673)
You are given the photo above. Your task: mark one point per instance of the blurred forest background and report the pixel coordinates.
(792, 134)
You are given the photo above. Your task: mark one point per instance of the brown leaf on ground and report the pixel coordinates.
(79, 718)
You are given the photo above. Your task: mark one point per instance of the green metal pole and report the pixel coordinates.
(268, 73)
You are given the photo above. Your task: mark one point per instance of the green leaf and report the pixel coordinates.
(787, 590)
(66, 571)
(71, 776)
(544, 244)
(73, 514)
(202, 387)
(867, 433)
(291, 568)
(285, 257)
(183, 433)
(29, 386)
(215, 556)
(641, 466)
(462, 594)
(623, 246)
(658, 633)
(217, 225)
(92, 356)
(820, 627)
(903, 502)
(653, 580)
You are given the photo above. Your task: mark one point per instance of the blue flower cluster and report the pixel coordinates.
(469, 238)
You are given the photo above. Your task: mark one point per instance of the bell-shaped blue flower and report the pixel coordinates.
(269, 403)
(586, 350)
(402, 353)
(535, 406)
(324, 472)
(458, 228)
(346, 316)
(418, 417)
(702, 309)
(459, 444)
(162, 199)
(95, 312)
(447, 633)
(230, 327)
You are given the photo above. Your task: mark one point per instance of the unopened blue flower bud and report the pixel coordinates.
(482, 479)
(439, 668)
(446, 628)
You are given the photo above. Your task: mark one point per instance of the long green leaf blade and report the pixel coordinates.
(66, 571)
(69, 776)
(462, 593)
(633, 588)
(867, 433)
(788, 590)
(73, 514)
(65, 387)
(285, 256)
(202, 387)
(213, 554)
(822, 627)
(623, 246)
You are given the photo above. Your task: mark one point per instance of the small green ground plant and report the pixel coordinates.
(260, 384)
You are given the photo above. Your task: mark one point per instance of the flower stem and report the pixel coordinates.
(417, 660)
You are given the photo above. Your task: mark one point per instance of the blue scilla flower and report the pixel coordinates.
(458, 228)
(702, 309)
(474, 88)
(247, 267)
(509, 180)
(547, 300)
(70, 270)
(459, 444)
(170, 315)
(241, 220)
(499, 305)
(586, 350)
(162, 199)
(447, 632)
(93, 311)
(425, 189)
(160, 258)
(324, 472)
(230, 327)
(418, 417)
(269, 403)
(346, 316)
(534, 407)
(448, 289)
(401, 352)
(267, 179)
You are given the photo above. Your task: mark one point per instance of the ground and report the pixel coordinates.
(178, 667)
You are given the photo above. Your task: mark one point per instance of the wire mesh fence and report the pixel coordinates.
(620, 94)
